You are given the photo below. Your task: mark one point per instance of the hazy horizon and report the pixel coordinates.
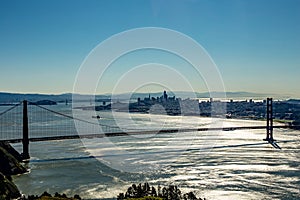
(126, 92)
(236, 94)
(145, 92)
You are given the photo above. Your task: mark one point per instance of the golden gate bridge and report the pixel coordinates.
(29, 122)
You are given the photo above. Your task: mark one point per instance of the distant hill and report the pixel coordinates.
(234, 94)
(294, 101)
(184, 95)
(17, 97)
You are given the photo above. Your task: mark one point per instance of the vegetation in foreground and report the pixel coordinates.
(146, 198)
(147, 192)
(47, 196)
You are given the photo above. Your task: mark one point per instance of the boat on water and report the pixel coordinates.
(96, 117)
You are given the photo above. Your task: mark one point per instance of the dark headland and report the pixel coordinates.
(11, 163)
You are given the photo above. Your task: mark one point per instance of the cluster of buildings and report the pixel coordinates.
(288, 110)
(170, 105)
(162, 99)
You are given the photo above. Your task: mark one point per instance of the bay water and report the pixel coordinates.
(213, 164)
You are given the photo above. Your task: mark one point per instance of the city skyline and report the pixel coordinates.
(255, 44)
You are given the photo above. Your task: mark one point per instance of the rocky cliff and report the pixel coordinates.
(9, 165)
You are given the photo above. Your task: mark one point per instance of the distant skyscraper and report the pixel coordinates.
(165, 96)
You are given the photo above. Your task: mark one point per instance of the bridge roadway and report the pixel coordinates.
(121, 133)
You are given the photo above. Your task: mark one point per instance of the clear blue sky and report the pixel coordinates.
(255, 43)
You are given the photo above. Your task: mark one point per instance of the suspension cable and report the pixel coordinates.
(10, 108)
(74, 118)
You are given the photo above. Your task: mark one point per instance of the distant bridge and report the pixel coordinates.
(110, 131)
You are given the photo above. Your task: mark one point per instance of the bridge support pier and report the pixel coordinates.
(25, 141)
(269, 130)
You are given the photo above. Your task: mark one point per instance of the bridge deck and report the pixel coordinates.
(114, 134)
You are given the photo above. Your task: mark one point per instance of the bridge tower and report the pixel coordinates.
(25, 140)
(269, 136)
